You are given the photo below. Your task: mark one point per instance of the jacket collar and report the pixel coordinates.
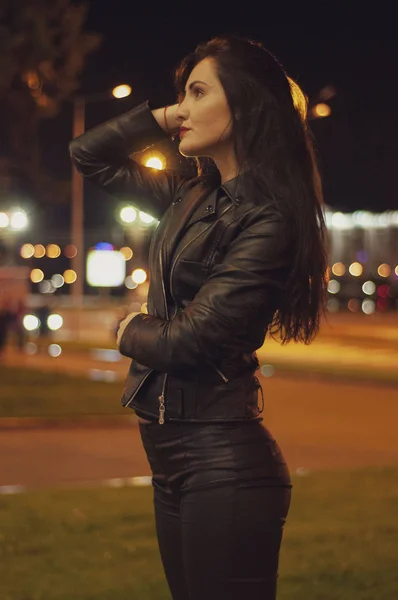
(235, 189)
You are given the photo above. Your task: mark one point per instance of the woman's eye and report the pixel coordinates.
(197, 92)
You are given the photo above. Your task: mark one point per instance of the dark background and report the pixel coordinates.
(347, 45)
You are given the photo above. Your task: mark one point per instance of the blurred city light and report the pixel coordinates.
(105, 268)
(384, 270)
(128, 214)
(55, 322)
(333, 286)
(145, 218)
(27, 251)
(121, 91)
(322, 110)
(70, 276)
(46, 287)
(36, 275)
(383, 291)
(267, 370)
(57, 280)
(40, 251)
(129, 283)
(54, 350)
(368, 307)
(70, 251)
(341, 220)
(4, 220)
(338, 269)
(369, 288)
(155, 163)
(355, 269)
(139, 276)
(353, 305)
(53, 251)
(30, 348)
(18, 220)
(31, 322)
(104, 246)
(126, 252)
(333, 305)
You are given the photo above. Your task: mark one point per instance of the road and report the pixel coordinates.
(318, 424)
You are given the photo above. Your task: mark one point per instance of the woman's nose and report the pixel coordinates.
(181, 112)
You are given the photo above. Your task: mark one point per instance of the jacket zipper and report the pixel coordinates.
(161, 398)
(162, 408)
(221, 374)
(138, 389)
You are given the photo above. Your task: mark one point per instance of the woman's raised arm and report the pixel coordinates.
(102, 155)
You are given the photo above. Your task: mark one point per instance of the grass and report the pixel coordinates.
(31, 393)
(99, 544)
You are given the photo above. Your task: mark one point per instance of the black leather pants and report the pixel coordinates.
(221, 496)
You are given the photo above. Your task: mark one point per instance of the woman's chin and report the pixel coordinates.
(187, 150)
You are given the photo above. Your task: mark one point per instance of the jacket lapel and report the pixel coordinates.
(186, 210)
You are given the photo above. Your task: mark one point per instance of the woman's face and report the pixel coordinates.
(204, 111)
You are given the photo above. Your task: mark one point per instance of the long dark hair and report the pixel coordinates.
(272, 139)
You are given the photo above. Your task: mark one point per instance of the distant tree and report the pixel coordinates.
(43, 49)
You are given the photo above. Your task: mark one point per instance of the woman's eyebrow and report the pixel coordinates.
(197, 81)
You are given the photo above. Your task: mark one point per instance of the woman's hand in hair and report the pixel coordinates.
(173, 124)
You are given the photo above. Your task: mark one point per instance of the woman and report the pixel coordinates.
(240, 251)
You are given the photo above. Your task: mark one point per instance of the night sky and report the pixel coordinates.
(321, 43)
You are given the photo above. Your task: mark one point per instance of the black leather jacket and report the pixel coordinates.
(218, 262)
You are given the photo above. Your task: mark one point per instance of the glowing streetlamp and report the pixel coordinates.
(79, 105)
(121, 91)
(321, 110)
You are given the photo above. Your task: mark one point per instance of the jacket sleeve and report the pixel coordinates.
(102, 156)
(234, 306)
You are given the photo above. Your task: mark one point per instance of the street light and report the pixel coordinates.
(79, 105)
(121, 91)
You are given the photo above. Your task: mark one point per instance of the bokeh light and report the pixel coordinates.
(155, 163)
(126, 252)
(54, 350)
(338, 269)
(145, 218)
(46, 287)
(383, 291)
(333, 305)
(53, 251)
(353, 305)
(333, 286)
(70, 251)
(40, 251)
(30, 348)
(27, 251)
(55, 322)
(139, 276)
(57, 280)
(70, 276)
(4, 220)
(128, 214)
(384, 270)
(121, 91)
(356, 269)
(267, 370)
(322, 110)
(130, 284)
(369, 288)
(31, 322)
(18, 220)
(36, 275)
(368, 307)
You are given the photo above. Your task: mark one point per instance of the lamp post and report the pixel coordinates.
(77, 233)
